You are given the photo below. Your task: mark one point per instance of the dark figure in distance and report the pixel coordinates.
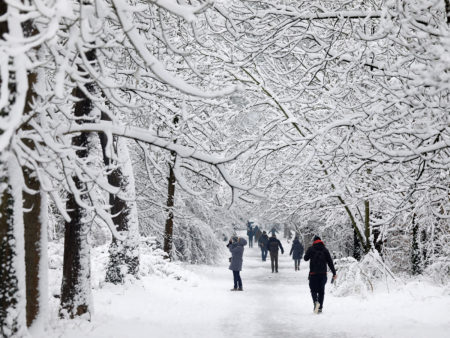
(236, 247)
(319, 257)
(274, 230)
(273, 245)
(250, 234)
(263, 241)
(257, 232)
(296, 252)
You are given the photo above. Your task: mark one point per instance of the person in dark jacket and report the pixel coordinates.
(274, 230)
(273, 245)
(263, 240)
(236, 247)
(257, 232)
(250, 234)
(319, 257)
(296, 252)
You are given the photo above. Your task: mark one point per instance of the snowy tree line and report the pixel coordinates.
(176, 118)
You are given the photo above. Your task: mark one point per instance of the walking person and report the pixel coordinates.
(263, 241)
(296, 252)
(319, 257)
(274, 230)
(257, 232)
(250, 234)
(236, 247)
(273, 245)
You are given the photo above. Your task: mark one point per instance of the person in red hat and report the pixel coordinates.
(319, 257)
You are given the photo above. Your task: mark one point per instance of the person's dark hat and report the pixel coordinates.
(316, 238)
(264, 232)
(234, 239)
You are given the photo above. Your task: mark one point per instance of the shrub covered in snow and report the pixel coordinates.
(439, 271)
(195, 242)
(359, 277)
(154, 262)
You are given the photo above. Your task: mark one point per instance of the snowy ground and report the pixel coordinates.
(272, 305)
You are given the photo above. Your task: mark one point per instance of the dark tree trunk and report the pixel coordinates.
(368, 242)
(357, 250)
(32, 217)
(32, 234)
(377, 241)
(123, 255)
(8, 275)
(168, 232)
(75, 288)
(10, 298)
(415, 248)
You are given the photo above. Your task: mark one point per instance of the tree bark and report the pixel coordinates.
(168, 231)
(368, 244)
(32, 217)
(123, 255)
(12, 297)
(8, 274)
(415, 250)
(75, 288)
(32, 234)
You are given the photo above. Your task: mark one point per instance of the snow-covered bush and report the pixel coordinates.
(154, 262)
(195, 242)
(352, 279)
(439, 271)
(359, 277)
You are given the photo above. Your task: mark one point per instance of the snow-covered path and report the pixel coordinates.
(272, 305)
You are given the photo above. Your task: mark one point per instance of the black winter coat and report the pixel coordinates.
(273, 244)
(296, 249)
(319, 258)
(263, 241)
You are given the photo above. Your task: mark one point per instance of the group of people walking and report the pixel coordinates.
(318, 256)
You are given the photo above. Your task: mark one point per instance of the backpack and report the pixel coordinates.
(318, 260)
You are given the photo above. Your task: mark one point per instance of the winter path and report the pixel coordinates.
(272, 305)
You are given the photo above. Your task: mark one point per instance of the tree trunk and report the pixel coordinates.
(34, 228)
(12, 283)
(12, 261)
(357, 250)
(123, 255)
(415, 248)
(76, 288)
(32, 234)
(368, 243)
(168, 232)
(8, 274)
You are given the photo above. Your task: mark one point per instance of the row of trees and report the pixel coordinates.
(74, 77)
(335, 111)
(354, 94)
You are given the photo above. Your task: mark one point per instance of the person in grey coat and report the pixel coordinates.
(296, 252)
(236, 247)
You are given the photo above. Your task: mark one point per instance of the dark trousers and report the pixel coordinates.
(274, 260)
(297, 264)
(250, 241)
(317, 285)
(237, 279)
(263, 253)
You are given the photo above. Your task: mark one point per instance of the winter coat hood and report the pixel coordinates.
(241, 241)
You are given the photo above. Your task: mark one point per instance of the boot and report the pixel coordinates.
(316, 307)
